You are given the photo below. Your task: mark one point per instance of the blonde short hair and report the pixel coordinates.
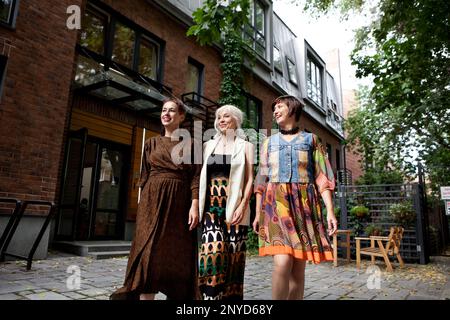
(235, 112)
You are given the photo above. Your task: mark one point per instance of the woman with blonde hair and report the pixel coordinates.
(225, 189)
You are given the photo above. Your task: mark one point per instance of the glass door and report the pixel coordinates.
(71, 185)
(94, 189)
(108, 213)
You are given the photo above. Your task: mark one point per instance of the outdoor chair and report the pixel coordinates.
(386, 246)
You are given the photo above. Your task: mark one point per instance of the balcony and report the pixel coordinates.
(201, 109)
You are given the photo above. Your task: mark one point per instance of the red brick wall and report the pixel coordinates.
(352, 159)
(34, 104)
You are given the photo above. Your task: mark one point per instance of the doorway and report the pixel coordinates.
(94, 188)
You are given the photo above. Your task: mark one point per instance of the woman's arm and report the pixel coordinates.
(331, 218)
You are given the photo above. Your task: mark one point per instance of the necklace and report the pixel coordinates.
(290, 132)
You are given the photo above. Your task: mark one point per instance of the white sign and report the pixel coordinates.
(445, 193)
(447, 208)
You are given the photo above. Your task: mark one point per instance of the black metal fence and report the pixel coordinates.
(379, 200)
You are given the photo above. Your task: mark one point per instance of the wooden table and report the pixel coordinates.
(346, 245)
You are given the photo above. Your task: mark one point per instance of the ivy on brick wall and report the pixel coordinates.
(221, 22)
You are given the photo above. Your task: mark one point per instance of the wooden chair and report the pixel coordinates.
(345, 244)
(390, 248)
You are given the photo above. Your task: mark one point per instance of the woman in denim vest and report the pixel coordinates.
(293, 172)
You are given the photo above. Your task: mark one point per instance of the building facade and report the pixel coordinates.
(77, 105)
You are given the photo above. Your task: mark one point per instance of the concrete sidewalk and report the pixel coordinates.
(55, 279)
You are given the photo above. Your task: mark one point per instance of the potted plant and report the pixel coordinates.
(403, 213)
(373, 230)
(359, 211)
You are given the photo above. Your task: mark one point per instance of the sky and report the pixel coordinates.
(324, 35)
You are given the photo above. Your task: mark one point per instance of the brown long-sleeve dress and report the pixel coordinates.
(163, 253)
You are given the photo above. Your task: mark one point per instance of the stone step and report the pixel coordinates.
(108, 254)
(87, 248)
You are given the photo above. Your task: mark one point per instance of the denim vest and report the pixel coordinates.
(291, 161)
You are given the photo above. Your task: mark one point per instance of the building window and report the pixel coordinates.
(8, 12)
(314, 81)
(93, 33)
(148, 58)
(251, 106)
(292, 71)
(254, 33)
(118, 43)
(3, 64)
(124, 42)
(194, 79)
(277, 60)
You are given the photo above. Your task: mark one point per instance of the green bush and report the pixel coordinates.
(359, 211)
(252, 242)
(403, 213)
(373, 230)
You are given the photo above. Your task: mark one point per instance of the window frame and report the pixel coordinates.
(254, 30)
(11, 23)
(292, 81)
(112, 17)
(314, 58)
(279, 70)
(3, 69)
(201, 68)
(258, 103)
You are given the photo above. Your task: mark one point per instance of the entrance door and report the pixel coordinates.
(96, 209)
(71, 185)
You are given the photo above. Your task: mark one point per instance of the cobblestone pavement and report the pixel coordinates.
(51, 279)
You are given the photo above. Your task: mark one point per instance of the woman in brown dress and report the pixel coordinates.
(163, 253)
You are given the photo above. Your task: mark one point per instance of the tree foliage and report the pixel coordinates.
(405, 50)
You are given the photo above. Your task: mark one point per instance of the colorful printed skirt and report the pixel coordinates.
(222, 253)
(291, 223)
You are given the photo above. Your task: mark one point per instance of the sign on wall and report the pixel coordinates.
(445, 193)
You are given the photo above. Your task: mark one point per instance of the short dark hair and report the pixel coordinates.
(178, 103)
(294, 104)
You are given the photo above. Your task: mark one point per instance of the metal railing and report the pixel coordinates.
(13, 223)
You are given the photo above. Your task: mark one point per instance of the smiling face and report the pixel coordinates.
(225, 121)
(281, 114)
(170, 115)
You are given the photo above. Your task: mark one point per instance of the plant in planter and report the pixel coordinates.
(373, 230)
(359, 211)
(403, 213)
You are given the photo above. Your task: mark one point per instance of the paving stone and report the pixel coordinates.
(9, 296)
(92, 292)
(49, 295)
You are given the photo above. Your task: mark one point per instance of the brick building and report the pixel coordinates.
(77, 105)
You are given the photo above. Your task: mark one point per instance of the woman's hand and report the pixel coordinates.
(255, 225)
(193, 215)
(332, 223)
(238, 215)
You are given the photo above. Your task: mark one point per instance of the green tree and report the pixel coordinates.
(405, 50)
(221, 22)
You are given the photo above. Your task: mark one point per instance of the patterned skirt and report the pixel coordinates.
(222, 253)
(291, 223)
